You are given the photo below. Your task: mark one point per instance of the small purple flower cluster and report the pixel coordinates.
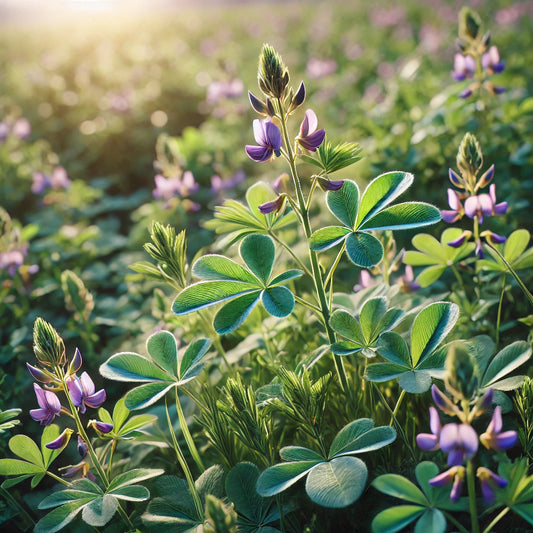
(183, 187)
(13, 251)
(476, 205)
(461, 442)
(20, 129)
(57, 180)
(81, 393)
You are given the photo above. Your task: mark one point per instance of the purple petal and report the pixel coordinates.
(96, 400)
(434, 421)
(460, 240)
(38, 374)
(489, 494)
(103, 427)
(455, 493)
(506, 440)
(465, 94)
(456, 457)
(257, 104)
(501, 208)
(450, 216)
(443, 478)
(472, 206)
(76, 362)
(455, 179)
(259, 132)
(330, 185)
(270, 207)
(449, 437)
(427, 442)
(453, 200)
(309, 123)
(273, 136)
(468, 438)
(75, 390)
(87, 384)
(258, 153)
(313, 141)
(61, 441)
(496, 423)
(82, 447)
(486, 178)
(486, 204)
(299, 97)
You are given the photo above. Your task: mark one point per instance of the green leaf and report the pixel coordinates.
(370, 317)
(132, 493)
(406, 215)
(430, 327)
(11, 482)
(430, 275)
(380, 192)
(163, 349)
(344, 203)
(191, 363)
(285, 276)
(100, 511)
(26, 449)
(146, 395)
(344, 348)
(135, 423)
(258, 252)
(132, 477)
(299, 453)
(206, 293)
(393, 347)
(278, 301)
(234, 313)
(380, 372)
(16, 467)
(337, 483)
(525, 510)
(50, 433)
(350, 440)
(81, 489)
(327, 237)
(240, 489)
(219, 268)
(60, 517)
(400, 487)
(507, 360)
(127, 366)
(363, 249)
(432, 520)
(424, 471)
(516, 245)
(277, 478)
(415, 382)
(346, 325)
(396, 518)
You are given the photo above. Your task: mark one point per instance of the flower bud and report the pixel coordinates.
(75, 363)
(329, 185)
(469, 24)
(461, 372)
(298, 99)
(273, 206)
(469, 156)
(257, 104)
(486, 178)
(272, 76)
(61, 441)
(47, 344)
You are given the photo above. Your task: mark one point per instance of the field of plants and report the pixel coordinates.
(266, 267)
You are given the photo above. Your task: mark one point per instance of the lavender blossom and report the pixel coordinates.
(268, 137)
(82, 392)
(21, 129)
(459, 441)
(101, 427)
(491, 62)
(430, 441)
(49, 404)
(457, 210)
(273, 206)
(494, 438)
(310, 138)
(490, 483)
(455, 475)
(463, 67)
(61, 441)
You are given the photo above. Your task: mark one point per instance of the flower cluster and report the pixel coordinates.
(168, 188)
(60, 377)
(476, 60)
(57, 180)
(20, 129)
(13, 250)
(459, 440)
(476, 205)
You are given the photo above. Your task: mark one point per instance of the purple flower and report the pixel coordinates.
(21, 128)
(494, 438)
(492, 237)
(442, 401)
(281, 183)
(463, 67)
(484, 205)
(75, 363)
(465, 236)
(167, 188)
(491, 62)
(38, 374)
(310, 138)
(273, 206)
(330, 185)
(407, 281)
(456, 475)
(82, 447)
(102, 427)
(429, 442)
(365, 281)
(320, 68)
(268, 137)
(466, 93)
(82, 468)
(12, 259)
(82, 392)
(459, 441)
(49, 404)
(490, 482)
(4, 131)
(218, 184)
(58, 180)
(457, 210)
(61, 441)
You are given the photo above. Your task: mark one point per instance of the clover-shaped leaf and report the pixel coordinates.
(223, 279)
(436, 256)
(334, 481)
(363, 331)
(34, 460)
(96, 505)
(160, 372)
(424, 506)
(238, 220)
(414, 366)
(371, 212)
(124, 426)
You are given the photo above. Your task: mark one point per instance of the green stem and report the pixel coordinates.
(187, 434)
(329, 277)
(513, 273)
(111, 455)
(458, 277)
(58, 479)
(455, 522)
(291, 252)
(498, 517)
(21, 511)
(397, 406)
(500, 305)
(185, 467)
(319, 286)
(307, 304)
(471, 484)
(216, 340)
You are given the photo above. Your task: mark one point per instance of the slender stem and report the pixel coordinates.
(114, 443)
(317, 277)
(291, 252)
(458, 277)
(500, 305)
(329, 277)
(216, 339)
(498, 517)
(307, 304)
(311, 192)
(397, 406)
(187, 434)
(185, 467)
(59, 479)
(17, 505)
(471, 484)
(513, 273)
(455, 522)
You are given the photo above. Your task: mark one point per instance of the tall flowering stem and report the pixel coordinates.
(304, 216)
(471, 487)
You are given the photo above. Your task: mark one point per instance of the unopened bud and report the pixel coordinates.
(47, 344)
(469, 156)
(461, 372)
(272, 76)
(469, 24)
